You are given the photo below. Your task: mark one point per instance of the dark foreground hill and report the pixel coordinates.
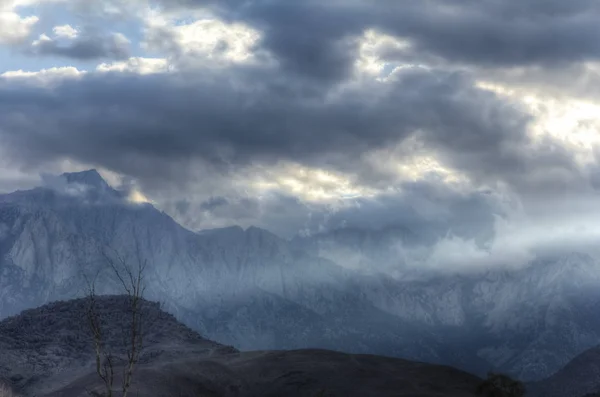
(48, 352)
(44, 348)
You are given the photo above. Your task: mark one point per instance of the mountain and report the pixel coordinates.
(580, 377)
(86, 178)
(247, 288)
(256, 291)
(528, 322)
(48, 351)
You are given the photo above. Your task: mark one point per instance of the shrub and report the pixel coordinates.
(498, 385)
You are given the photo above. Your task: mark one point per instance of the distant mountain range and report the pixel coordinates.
(256, 291)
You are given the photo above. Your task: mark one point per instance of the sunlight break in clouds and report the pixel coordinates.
(203, 38)
(570, 119)
(309, 184)
(309, 116)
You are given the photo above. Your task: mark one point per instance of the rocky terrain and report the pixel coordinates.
(256, 291)
(579, 378)
(48, 351)
(39, 347)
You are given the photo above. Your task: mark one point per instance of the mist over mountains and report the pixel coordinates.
(254, 290)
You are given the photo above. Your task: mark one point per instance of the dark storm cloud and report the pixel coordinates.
(496, 32)
(84, 48)
(148, 126)
(314, 38)
(155, 127)
(309, 38)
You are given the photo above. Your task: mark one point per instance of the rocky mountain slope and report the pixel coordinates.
(580, 377)
(48, 352)
(254, 290)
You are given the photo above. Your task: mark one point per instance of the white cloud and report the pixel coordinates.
(43, 38)
(44, 77)
(520, 237)
(137, 65)
(309, 184)
(14, 27)
(65, 31)
(26, 3)
(571, 121)
(372, 45)
(216, 39)
(205, 39)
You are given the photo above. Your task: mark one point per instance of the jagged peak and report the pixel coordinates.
(86, 186)
(89, 178)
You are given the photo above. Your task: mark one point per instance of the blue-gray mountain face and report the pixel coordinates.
(254, 290)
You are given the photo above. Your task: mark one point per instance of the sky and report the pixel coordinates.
(471, 123)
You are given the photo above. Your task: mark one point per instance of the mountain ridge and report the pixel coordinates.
(252, 289)
(579, 377)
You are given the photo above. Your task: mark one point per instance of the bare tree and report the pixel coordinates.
(6, 391)
(104, 360)
(132, 331)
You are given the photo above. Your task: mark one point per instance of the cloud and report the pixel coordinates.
(12, 178)
(65, 31)
(494, 32)
(15, 28)
(61, 185)
(248, 129)
(43, 78)
(317, 39)
(203, 40)
(142, 124)
(70, 43)
(137, 65)
(319, 115)
(430, 209)
(279, 213)
(518, 239)
(308, 39)
(213, 203)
